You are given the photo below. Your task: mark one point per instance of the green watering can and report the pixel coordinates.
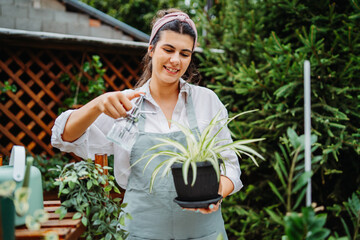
(16, 171)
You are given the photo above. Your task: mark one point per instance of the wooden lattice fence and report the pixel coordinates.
(27, 115)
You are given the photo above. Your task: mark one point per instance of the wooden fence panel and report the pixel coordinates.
(27, 115)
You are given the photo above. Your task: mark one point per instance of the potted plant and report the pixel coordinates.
(85, 187)
(199, 162)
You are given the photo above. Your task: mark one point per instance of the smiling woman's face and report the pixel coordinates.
(171, 56)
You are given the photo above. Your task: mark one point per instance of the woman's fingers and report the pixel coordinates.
(115, 111)
(125, 100)
(116, 104)
(110, 105)
(133, 95)
(212, 208)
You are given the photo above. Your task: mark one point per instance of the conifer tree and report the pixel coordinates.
(265, 43)
(136, 13)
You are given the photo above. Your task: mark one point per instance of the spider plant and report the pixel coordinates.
(204, 147)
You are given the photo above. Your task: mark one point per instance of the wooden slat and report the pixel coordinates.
(51, 203)
(66, 228)
(4, 151)
(46, 68)
(78, 67)
(29, 66)
(26, 89)
(28, 111)
(31, 146)
(132, 72)
(56, 216)
(52, 209)
(76, 233)
(116, 71)
(26, 68)
(39, 234)
(66, 70)
(10, 136)
(60, 223)
(110, 82)
(25, 129)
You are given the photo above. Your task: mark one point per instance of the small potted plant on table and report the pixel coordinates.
(196, 166)
(85, 189)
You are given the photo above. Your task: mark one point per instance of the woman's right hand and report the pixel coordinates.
(113, 104)
(116, 104)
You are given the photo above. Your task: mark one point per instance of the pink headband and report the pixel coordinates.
(183, 17)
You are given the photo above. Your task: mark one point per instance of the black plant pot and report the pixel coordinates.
(203, 192)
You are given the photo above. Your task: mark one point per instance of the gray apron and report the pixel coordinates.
(155, 215)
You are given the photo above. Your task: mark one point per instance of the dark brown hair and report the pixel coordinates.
(191, 74)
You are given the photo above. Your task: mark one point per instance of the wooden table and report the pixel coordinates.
(67, 228)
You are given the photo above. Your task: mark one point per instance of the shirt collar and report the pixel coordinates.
(184, 89)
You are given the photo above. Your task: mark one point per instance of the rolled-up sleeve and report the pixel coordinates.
(232, 166)
(92, 142)
(232, 170)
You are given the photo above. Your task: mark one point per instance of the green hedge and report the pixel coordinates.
(265, 43)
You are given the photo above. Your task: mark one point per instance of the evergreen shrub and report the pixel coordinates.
(265, 43)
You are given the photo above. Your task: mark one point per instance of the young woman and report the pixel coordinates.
(168, 97)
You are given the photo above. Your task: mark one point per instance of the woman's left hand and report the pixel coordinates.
(212, 208)
(225, 188)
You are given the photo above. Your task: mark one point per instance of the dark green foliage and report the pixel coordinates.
(262, 66)
(90, 77)
(352, 207)
(82, 184)
(265, 44)
(6, 86)
(136, 13)
(306, 225)
(45, 164)
(289, 167)
(243, 222)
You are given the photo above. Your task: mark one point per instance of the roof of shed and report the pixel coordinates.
(80, 6)
(17, 36)
(70, 17)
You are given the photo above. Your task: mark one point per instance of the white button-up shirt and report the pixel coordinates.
(94, 141)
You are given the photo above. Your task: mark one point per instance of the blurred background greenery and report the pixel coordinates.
(264, 44)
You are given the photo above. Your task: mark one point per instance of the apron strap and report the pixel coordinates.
(190, 110)
(142, 117)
